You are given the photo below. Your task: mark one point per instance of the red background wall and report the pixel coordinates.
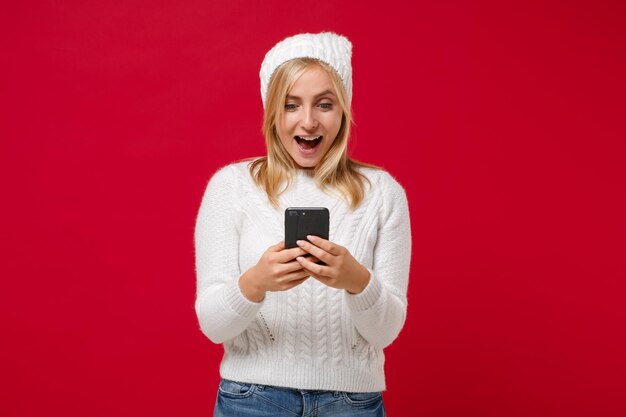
(504, 122)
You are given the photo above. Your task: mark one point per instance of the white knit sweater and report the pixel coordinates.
(312, 336)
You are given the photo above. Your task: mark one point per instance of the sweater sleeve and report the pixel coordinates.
(223, 311)
(379, 311)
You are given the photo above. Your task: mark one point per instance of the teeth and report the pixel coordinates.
(309, 138)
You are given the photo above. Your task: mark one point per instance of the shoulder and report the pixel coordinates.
(382, 181)
(225, 182)
(388, 195)
(231, 173)
(391, 203)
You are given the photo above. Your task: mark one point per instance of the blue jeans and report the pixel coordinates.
(237, 399)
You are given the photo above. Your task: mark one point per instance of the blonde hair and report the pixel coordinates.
(336, 170)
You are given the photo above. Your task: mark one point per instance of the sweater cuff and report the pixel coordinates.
(366, 298)
(238, 302)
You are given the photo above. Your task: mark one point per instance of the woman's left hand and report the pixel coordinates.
(341, 270)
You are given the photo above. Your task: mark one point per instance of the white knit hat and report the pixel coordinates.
(335, 50)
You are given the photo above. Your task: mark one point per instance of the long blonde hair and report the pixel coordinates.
(335, 171)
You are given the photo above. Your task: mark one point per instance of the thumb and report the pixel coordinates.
(278, 247)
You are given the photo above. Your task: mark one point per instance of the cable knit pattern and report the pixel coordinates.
(312, 336)
(256, 332)
(320, 324)
(305, 343)
(289, 336)
(336, 337)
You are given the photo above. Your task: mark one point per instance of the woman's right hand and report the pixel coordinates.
(277, 270)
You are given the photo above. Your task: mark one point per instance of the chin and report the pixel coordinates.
(306, 164)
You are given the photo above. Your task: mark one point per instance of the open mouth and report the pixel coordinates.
(308, 142)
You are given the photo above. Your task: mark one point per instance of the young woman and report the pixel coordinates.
(300, 337)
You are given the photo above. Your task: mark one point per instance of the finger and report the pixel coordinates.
(296, 275)
(300, 274)
(277, 247)
(294, 265)
(327, 245)
(295, 283)
(322, 279)
(314, 268)
(287, 255)
(319, 253)
(288, 267)
(318, 277)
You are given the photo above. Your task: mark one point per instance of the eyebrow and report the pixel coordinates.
(323, 93)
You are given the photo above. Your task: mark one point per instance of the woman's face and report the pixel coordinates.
(312, 118)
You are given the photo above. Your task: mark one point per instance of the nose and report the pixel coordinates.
(308, 121)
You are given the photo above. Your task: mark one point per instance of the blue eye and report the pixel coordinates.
(290, 107)
(326, 106)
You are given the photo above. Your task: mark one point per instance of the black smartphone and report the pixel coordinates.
(303, 221)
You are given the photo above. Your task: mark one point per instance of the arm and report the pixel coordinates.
(223, 311)
(379, 311)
